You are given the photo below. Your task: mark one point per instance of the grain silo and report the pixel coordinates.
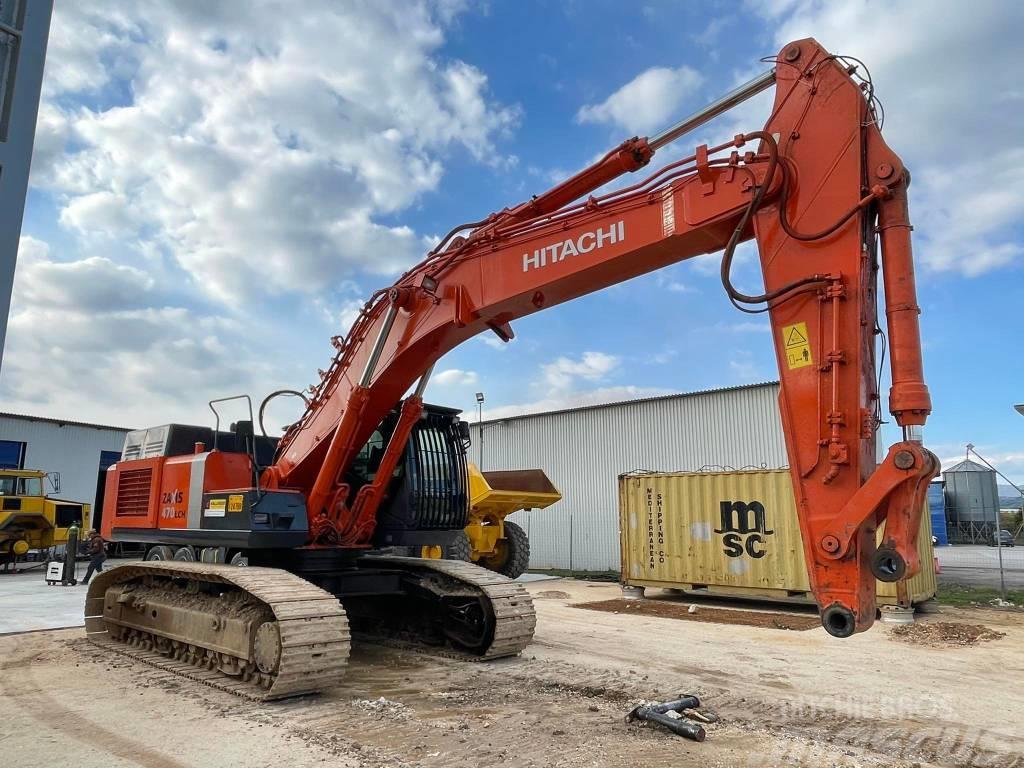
(972, 502)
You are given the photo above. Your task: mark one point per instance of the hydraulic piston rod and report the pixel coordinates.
(713, 110)
(378, 345)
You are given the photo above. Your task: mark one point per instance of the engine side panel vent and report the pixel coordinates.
(133, 490)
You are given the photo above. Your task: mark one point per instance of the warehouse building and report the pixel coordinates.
(78, 451)
(584, 450)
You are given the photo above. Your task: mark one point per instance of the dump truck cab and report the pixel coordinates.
(29, 519)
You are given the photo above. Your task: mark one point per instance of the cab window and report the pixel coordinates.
(366, 462)
(21, 486)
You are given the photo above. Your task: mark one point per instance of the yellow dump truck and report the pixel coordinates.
(490, 540)
(29, 519)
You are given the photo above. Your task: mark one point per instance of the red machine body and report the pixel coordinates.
(819, 191)
(204, 499)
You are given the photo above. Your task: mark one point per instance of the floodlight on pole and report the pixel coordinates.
(480, 428)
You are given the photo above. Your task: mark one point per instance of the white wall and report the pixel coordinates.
(71, 449)
(583, 451)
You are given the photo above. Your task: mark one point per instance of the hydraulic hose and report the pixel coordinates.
(271, 396)
(755, 203)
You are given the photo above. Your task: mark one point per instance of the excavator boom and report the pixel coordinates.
(819, 191)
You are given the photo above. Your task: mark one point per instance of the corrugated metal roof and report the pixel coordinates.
(653, 399)
(62, 422)
(967, 466)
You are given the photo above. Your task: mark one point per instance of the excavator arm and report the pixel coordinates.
(822, 195)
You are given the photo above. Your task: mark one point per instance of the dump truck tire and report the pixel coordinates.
(460, 548)
(517, 551)
(160, 552)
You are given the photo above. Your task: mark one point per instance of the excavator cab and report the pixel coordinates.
(426, 501)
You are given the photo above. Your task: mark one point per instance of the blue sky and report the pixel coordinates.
(214, 194)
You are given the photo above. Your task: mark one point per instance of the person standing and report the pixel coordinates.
(97, 554)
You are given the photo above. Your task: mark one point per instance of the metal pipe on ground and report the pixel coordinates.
(657, 713)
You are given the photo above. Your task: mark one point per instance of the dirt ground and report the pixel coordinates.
(786, 698)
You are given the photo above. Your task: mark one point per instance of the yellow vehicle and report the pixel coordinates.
(489, 539)
(29, 519)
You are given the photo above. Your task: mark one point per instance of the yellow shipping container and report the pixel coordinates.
(730, 533)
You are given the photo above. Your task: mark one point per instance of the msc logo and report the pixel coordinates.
(743, 528)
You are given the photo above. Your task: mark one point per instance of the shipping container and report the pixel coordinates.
(583, 450)
(730, 533)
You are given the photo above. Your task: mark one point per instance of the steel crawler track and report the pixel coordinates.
(514, 615)
(314, 631)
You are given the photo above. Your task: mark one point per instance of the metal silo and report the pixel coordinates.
(972, 500)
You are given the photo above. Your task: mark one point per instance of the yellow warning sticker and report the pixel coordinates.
(235, 503)
(796, 346)
(215, 508)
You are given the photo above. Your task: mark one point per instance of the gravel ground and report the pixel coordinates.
(785, 698)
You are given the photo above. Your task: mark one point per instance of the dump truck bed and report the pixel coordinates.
(505, 492)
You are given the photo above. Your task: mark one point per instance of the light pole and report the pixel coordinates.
(480, 428)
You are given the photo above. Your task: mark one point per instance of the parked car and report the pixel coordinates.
(1005, 539)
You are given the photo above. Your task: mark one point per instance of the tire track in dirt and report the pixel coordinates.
(937, 741)
(19, 683)
(514, 712)
(543, 712)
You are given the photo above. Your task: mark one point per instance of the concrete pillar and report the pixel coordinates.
(632, 593)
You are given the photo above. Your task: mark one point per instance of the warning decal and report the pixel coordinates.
(796, 346)
(215, 508)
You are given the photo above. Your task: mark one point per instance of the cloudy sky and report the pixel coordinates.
(216, 187)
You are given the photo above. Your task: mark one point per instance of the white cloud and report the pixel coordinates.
(561, 374)
(568, 382)
(214, 167)
(455, 377)
(492, 341)
(102, 213)
(1008, 461)
(743, 368)
(647, 102)
(91, 284)
(954, 112)
(349, 313)
(87, 342)
(597, 396)
(750, 327)
(260, 155)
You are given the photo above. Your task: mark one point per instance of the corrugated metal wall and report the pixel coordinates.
(585, 450)
(71, 449)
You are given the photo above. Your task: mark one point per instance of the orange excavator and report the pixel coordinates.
(368, 469)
